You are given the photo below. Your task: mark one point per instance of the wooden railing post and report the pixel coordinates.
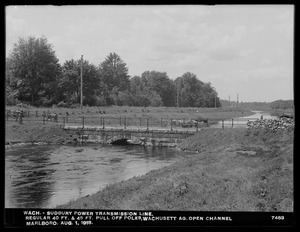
(83, 122)
(147, 123)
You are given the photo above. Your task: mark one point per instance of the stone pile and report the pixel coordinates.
(283, 123)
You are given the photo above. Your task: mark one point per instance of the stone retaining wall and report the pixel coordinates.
(282, 123)
(144, 138)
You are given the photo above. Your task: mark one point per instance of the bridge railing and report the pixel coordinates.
(136, 123)
(142, 123)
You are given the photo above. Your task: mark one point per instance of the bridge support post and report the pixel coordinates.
(83, 122)
(232, 123)
(43, 119)
(125, 123)
(171, 124)
(103, 123)
(197, 126)
(222, 124)
(140, 122)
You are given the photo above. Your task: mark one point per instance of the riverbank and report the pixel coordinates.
(34, 133)
(235, 170)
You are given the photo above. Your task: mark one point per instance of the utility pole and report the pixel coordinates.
(81, 64)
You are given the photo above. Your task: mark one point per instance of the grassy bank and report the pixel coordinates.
(235, 170)
(144, 112)
(35, 132)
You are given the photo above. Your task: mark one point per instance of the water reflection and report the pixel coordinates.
(26, 173)
(45, 176)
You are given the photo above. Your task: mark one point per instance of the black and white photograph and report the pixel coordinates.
(149, 115)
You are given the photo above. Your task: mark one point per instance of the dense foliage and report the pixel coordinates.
(34, 76)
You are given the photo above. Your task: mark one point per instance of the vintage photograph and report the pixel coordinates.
(144, 109)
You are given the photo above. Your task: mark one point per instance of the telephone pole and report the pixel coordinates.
(81, 64)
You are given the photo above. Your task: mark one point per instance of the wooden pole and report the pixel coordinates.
(81, 82)
(147, 123)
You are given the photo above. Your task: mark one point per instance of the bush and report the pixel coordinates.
(63, 104)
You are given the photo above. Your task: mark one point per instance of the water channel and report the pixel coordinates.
(242, 121)
(45, 176)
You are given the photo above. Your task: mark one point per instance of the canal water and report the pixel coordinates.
(242, 121)
(45, 176)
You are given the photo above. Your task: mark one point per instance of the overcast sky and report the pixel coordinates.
(245, 49)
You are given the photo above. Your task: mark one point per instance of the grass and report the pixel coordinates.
(236, 170)
(32, 131)
(157, 115)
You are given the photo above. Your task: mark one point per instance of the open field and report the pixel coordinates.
(144, 112)
(234, 170)
(132, 116)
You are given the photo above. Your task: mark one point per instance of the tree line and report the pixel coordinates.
(34, 76)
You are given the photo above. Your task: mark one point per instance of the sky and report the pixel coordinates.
(240, 49)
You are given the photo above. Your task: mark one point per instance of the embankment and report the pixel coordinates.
(22, 134)
(235, 170)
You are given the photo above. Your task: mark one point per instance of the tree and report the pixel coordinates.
(142, 94)
(191, 92)
(70, 84)
(114, 73)
(160, 83)
(34, 68)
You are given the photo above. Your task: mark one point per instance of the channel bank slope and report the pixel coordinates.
(234, 170)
